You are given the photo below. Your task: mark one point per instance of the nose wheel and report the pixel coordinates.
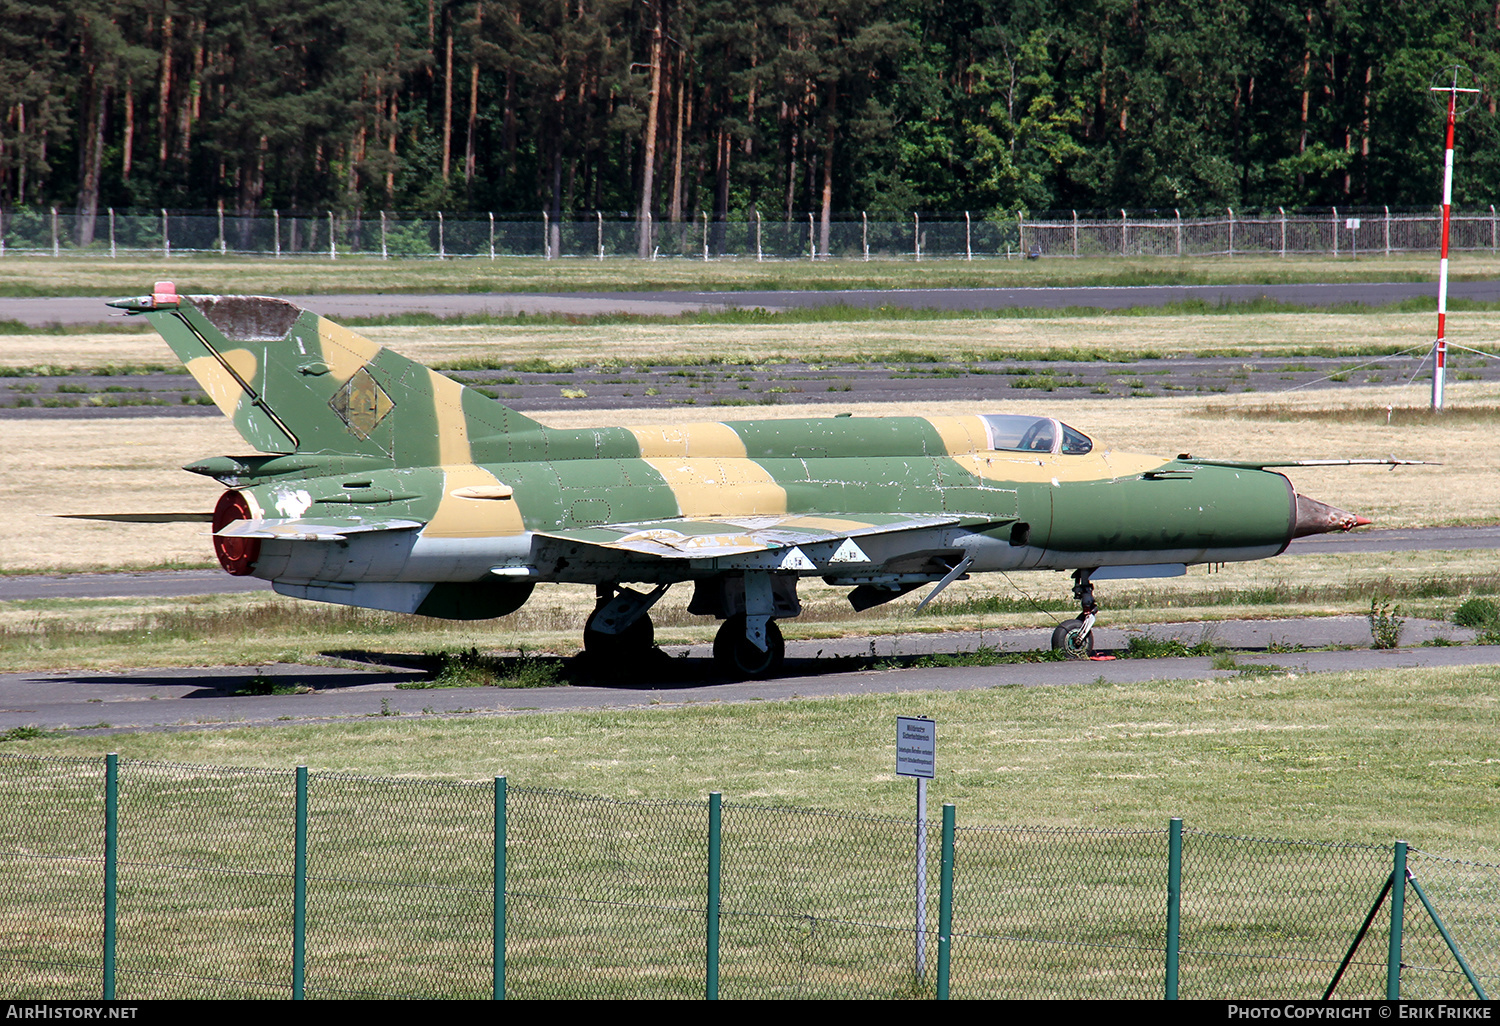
(1075, 638)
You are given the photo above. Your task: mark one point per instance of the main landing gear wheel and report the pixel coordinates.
(737, 655)
(1070, 638)
(634, 642)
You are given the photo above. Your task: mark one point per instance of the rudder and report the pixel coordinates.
(292, 381)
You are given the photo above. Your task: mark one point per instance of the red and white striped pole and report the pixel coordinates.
(1440, 356)
(1440, 350)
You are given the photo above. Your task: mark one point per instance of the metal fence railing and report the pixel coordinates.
(441, 235)
(140, 880)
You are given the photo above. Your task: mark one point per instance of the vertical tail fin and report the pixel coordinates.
(295, 382)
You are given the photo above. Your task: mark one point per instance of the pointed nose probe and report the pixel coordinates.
(1314, 517)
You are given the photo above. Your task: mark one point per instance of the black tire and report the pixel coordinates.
(634, 642)
(738, 659)
(1067, 637)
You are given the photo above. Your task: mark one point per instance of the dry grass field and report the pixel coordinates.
(1272, 335)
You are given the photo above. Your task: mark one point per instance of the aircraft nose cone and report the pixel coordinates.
(1314, 517)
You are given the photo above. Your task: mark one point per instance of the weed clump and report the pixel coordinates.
(1386, 624)
(1482, 615)
(1146, 647)
(471, 668)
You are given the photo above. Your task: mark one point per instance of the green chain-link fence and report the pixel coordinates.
(606, 898)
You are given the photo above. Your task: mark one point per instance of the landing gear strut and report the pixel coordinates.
(1075, 638)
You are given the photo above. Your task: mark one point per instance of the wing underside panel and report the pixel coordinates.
(714, 537)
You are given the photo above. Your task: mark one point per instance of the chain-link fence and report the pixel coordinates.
(225, 883)
(964, 235)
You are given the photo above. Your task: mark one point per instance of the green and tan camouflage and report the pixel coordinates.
(378, 482)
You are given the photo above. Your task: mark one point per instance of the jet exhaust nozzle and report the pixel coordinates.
(1314, 517)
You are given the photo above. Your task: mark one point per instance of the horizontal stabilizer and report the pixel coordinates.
(142, 518)
(319, 529)
(1267, 464)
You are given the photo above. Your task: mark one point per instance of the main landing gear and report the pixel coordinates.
(737, 656)
(618, 633)
(1075, 638)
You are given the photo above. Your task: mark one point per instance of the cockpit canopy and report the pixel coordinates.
(1011, 432)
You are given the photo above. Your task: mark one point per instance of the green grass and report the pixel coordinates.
(1363, 756)
(1265, 769)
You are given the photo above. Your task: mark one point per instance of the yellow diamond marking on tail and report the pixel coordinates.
(361, 403)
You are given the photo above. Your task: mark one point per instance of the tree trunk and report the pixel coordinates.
(91, 154)
(648, 166)
(469, 153)
(128, 141)
(827, 212)
(163, 103)
(447, 93)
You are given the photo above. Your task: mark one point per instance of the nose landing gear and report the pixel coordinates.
(1075, 638)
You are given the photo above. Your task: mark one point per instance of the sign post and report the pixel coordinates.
(916, 756)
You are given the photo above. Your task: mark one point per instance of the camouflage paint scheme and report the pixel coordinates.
(382, 483)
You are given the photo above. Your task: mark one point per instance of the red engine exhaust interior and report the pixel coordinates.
(236, 555)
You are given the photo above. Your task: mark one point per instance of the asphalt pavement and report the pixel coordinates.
(204, 697)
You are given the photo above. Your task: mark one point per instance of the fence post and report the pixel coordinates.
(111, 861)
(1283, 230)
(1124, 233)
(383, 254)
(1388, 229)
(442, 245)
(705, 236)
(864, 232)
(1335, 233)
(1075, 237)
(299, 888)
(492, 237)
(502, 795)
(111, 236)
(1231, 230)
(1492, 228)
(547, 234)
(333, 253)
(945, 904)
(1398, 913)
(276, 228)
(812, 241)
(715, 823)
(968, 238)
(598, 213)
(916, 235)
(758, 256)
(222, 246)
(1174, 902)
(54, 229)
(166, 239)
(2, 231)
